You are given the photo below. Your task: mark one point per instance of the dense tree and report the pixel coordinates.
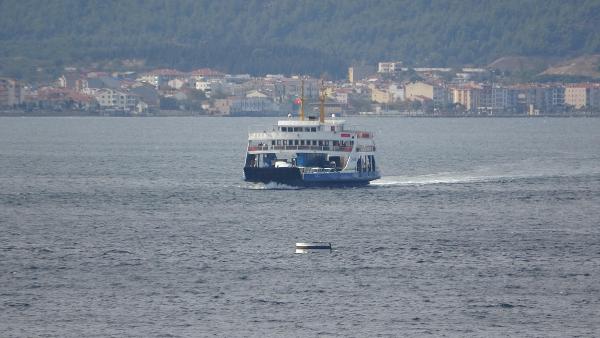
(286, 36)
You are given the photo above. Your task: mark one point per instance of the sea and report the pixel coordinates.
(144, 227)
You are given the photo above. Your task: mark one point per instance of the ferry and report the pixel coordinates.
(311, 152)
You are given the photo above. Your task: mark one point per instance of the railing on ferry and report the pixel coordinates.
(356, 130)
(299, 147)
(256, 131)
(260, 131)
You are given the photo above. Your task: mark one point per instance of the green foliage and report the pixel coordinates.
(286, 36)
(194, 100)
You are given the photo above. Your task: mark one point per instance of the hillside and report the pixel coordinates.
(520, 63)
(285, 36)
(588, 66)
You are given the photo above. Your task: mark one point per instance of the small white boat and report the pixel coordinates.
(313, 247)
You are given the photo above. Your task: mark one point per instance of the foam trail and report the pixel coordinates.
(440, 178)
(487, 174)
(269, 186)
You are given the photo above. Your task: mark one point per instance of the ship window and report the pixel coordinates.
(285, 142)
(297, 129)
(320, 142)
(283, 128)
(307, 129)
(273, 142)
(295, 142)
(325, 143)
(313, 129)
(332, 128)
(278, 142)
(314, 142)
(301, 142)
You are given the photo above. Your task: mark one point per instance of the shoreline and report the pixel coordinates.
(10, 113)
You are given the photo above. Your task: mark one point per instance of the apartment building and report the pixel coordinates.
(11, 92)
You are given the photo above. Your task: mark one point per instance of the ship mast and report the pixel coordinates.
(302, 102)
(322, 104)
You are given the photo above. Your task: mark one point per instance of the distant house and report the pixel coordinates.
(380, 95)
(91, 85)
(538, 97)
(292, 87)
(253, 106)
(434, 92)
(341, 95)
(148, 94)
(62, 99)
(389, 67)
(204, 86)
(221, 107)
(396, 91)
(142, 107)
(160, 77)
(205, 73)
(176, 83)
(69, 80)
(180, 95)
(495, 99)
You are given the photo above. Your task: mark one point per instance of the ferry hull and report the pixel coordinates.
(292, 176)
(288, 176)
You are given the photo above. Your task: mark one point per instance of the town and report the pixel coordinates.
(385, 89)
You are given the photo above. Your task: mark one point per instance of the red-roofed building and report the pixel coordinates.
(167, 72)
(62, 98)
(205, 73)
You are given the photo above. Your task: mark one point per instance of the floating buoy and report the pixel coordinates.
(313, 247)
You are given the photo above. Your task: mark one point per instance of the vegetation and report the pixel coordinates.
(286, 36)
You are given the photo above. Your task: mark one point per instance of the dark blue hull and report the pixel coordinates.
(293, 176)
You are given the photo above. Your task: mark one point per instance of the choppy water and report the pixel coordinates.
(143, 227)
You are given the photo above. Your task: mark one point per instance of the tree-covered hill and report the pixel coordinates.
(291, 36)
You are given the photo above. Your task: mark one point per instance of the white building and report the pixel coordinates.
(389, 67)
(396, 91)
(116, 99)
(176, 83)
(422, 90)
